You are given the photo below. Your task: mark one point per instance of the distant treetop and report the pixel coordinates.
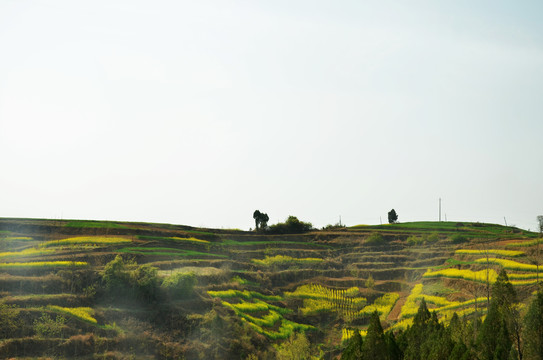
(392, 216)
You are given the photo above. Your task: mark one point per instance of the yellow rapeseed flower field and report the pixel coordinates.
(510, 253)
(38, 264)
(346, 334)
(479, 276)
(25, 252)
(83, 313)
(508, 264)
(410, 307)
(87, 240)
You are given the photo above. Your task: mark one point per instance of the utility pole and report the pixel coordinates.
(439, 209)
(505, 221)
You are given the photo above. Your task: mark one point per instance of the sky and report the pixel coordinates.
(200, 112)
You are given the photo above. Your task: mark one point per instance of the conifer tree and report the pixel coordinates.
(353, 350)
(374, 346)
(533, 331)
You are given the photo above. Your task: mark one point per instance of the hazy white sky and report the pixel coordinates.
(200, 112)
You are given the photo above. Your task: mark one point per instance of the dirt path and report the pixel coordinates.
(394, 314)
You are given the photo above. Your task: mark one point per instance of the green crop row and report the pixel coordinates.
(286, 329)
(161, 251)
(317, 291)
(272, 243)
(245, 294)
(94, 224)
(284, 259)
(525, 243)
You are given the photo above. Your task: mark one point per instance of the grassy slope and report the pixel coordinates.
(346, 262)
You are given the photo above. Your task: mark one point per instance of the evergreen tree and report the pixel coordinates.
(486, 338)
(393, 350)
(417, 334)
(505, 296)
(533, 331)
(374, 346)
(353, 350)
(503, 346)
(459, 351)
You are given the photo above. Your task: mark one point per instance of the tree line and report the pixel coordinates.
(292, 224)
(503, 335)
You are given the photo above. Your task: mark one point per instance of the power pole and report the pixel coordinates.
(505, 221)
(439, 209)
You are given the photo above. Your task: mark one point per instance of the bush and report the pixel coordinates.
(45, 326)
(375, 239)
(433, 237)
(458, 239)
(370, 283)
(119, 280)
(180, 285)
(414, 240)
(291, 226)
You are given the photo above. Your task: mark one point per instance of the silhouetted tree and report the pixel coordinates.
(392, 216)
(261, 220)
(256, 216)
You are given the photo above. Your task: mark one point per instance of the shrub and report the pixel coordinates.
(414, 240)
(291, 226)
(433, 237)
(375, 239)
(458, 239)
(370, 283)
(180, 284)
(8, 320)
(45, 326)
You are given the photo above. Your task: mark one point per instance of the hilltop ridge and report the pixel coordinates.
(261, 287)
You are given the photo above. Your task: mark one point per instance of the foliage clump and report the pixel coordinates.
(291, 226)
(122, 278)
(424, 239)
(180, 285)
(375, 239)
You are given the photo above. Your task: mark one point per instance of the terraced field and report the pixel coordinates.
(204, 293)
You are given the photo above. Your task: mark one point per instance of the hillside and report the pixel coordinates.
(231, 294)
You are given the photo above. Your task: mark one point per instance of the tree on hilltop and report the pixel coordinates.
(392, 216)
(261, 219)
